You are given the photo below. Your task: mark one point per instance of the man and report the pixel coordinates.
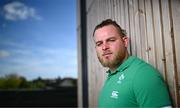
(131, 82)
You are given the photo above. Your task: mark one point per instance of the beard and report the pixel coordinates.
(114, 61)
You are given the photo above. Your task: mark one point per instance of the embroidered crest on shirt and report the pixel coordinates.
(121, 77)
(114, 94)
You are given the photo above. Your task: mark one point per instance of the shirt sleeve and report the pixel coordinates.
(149, 88)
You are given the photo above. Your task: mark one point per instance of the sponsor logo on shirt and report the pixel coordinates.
(121, 77)
(114, 94)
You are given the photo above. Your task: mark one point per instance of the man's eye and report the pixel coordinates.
(111, 40)
(98, 44)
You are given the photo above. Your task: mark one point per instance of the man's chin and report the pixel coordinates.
(106, 64)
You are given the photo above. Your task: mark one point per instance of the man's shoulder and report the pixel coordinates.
(140, 69)
(141, 64)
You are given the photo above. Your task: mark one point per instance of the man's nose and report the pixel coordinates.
(105, 46)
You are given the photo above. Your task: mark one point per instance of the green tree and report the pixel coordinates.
(12, 81)
(2, 83)
(24, 83)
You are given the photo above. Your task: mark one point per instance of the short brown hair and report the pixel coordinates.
(111, 22)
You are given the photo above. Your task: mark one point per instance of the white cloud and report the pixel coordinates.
(12, 44)
(4, 54)
(40, 61)
(47, 56)
(55, 65)
(18, 11)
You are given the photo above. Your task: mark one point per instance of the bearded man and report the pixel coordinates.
(131, 82)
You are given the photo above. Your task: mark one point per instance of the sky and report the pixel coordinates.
(38, 38)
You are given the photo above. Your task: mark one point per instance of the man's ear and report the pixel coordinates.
(126, 41)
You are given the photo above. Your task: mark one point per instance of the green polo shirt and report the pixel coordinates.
(134, 84)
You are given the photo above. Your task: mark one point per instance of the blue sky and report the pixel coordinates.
(38, 38)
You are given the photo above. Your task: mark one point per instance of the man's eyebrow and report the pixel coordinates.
(112, 37)
(98, 41)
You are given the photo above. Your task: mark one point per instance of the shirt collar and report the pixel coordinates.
(123, 66)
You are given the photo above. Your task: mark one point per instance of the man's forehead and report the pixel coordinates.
(106, 30)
